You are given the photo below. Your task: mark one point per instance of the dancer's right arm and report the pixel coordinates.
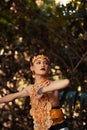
(25, 92)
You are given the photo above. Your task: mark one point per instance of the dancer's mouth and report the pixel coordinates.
(43, 69)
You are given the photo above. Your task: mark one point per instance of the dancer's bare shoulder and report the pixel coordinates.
(27, 90)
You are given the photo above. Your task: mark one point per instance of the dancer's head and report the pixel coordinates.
(39, 65)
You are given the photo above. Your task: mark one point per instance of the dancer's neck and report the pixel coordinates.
(40, 79)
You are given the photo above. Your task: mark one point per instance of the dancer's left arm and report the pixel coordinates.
(55, 85)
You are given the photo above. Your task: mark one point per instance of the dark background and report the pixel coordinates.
(60, 32)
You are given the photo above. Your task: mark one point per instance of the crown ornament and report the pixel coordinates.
(39, 56)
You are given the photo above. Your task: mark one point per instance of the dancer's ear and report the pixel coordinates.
(33, 73)
(31, 68)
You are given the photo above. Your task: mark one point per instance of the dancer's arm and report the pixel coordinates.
(55, 85)
(10, 97)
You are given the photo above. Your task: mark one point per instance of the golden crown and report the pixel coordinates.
(39, 56)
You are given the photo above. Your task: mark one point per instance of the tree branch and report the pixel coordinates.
(74, 69)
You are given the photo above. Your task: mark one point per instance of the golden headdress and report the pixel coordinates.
(39, 56)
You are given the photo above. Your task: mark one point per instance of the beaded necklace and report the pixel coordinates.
(40, 109)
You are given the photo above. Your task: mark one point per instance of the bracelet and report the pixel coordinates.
(40, 91)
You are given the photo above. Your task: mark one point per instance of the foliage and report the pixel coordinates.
(27, 28)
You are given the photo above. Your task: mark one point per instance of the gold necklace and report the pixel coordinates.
(40, 109)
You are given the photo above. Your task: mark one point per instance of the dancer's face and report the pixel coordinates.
(40, 67)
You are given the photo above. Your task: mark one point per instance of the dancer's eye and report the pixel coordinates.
(38, 62)
(46, 63)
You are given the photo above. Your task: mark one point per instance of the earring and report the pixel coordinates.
(33, 74)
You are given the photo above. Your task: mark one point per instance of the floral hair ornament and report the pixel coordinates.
(41, 57)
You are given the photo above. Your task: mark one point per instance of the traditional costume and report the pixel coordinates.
(45, 117)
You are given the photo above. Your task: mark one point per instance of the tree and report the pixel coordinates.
(26, 28)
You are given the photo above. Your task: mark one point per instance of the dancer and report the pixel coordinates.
(44, 96)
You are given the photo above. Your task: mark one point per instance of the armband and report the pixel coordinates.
(40, 91)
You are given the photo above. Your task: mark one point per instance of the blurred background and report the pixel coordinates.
(56, 28)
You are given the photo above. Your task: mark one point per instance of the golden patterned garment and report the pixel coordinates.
(40, 109)
(57, 116)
